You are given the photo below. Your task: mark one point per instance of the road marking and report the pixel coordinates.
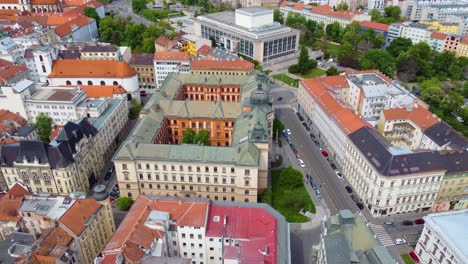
(381, 235)
(325, 207)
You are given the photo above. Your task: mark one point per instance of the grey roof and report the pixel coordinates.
(337, 249)
(222, 54)
(142, 59)
(22, 85)
(72, 133)
(21, 241)
(443, 134)
(25, 130)
(165, 260)
(99, 48)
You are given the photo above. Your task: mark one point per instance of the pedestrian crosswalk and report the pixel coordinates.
(325, 207)
(381, 235)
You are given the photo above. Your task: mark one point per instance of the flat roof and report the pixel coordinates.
(64, 95)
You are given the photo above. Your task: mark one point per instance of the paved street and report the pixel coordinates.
(124, 8)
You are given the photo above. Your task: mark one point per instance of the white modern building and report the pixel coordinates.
(251, 32)
(167, 62)
(376, 4)
(9, 50)
(416, 32)
(443, 239)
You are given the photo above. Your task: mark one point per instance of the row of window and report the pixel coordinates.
(182, 178)
(189, 188)
(91, 83)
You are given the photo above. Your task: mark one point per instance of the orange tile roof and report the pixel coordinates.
(6, 141)
(18, 190)
(44, 2)
(203, 50)
(9, 121)
(464, 40)
(91, 68)
(438, 35)
(110, 258)
(185, 213)
(77, 215)
(45, 259)
(418, 115)
(325, 10)
(230, 65)
(314, 87)
(9, 1)
(348, 121)
(55, 130)
(10, 72)
(12, 201)
(9, 11)
(165, 41)
(338, 81)
(68, 27)
(328, 104)
(375, 25)
(107, 91)
(171, 56)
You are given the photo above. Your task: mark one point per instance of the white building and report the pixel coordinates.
(102, 51)
(416, 32)
(376, 4)
(9, 50)
(443, 239)
(166, 62)
(39, 61)
(81, 28)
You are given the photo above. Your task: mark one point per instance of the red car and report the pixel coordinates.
(414, 257)
(419, 221)
(112, 199)
(295, 151)
(324, 153)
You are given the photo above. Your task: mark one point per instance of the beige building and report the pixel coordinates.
(453, 192)
(222, 67)
(233, 168)
(106, 52)
(10, 202)
(143, 65)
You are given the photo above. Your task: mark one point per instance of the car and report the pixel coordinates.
(414, 257)
(312, 136)
(317, 192)
(142, 93)
(295, 151)
(316, 143)
(301, 163)
(289, 141)
(339, 175)
(108, 176)
(308, 129)
(298, 157)
(304, 124)
(324, 153)
(308, 176)
(117, 185)
(114, 194)
(419, 221)
(389, 223)
(330, 60)
(280, 98)
(348, 189)
(292, 146)
(288, 131)
(354, 198)
(112, 200)
(333, 166)
(299, 116)
(407, 223)
(111, 169)
(360, 205)
(399, 241)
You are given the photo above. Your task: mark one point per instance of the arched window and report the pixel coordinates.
(103, 83)
(90, 83)
(68, 83)
(78, 83)
(43, 68)
(40, 58)
(115, 83)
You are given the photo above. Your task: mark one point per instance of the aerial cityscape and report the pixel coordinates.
(233, 132)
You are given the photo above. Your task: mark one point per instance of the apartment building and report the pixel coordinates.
(442, 239)
(323, 14)
(251, 32)
(163, 43)
(441, 136)
(69, 164)
(9, 50)
(14, 126)
(245, 3)
(222, 67)
(195, 230)
(11, 74)
(406, 126)
(437, 41)
(462, 50)
(378, 28)
(415, 31)
(144, 66)
(375, 4)
(237, 113)
(191, 43)
(444, 27)
(10, 202)
(81, 28)
(167, 62)
(341, 242)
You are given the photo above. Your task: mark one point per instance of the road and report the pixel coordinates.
(124, 8)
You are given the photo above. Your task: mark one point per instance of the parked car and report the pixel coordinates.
(389, 223)
(112, 200)
(299, 116)
(312, 182)
(111, 169)
(295, 151)
(117, 185)
(108, 176)
(312, 136)
(399, 241)
(414, 257)
(348, 189)
(419, 221)
(308, 129)
(301, 163)
(317, 192)
(292, 146)
(324, 153)
(407, 222)
(354, 198)
(360, 205)
(333, 166)
(288, 131)
(280, 98)
(289, 141)
(316, 143)
(114, 194)
(304, 124)
(142, 93)
(339, 175)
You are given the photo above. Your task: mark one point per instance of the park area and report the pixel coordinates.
(287, 80)
(288, 195)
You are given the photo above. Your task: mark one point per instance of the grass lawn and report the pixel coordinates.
(313, 73)
(333, 50)
(287, 80)
(289, 202)
(406, 258)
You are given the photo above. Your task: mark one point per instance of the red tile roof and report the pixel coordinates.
(325, 10)
(91, 69)
(314, 87)
(203, 50)
(254, 227)
(464, 40)
(8, 71)
(68, 27)
(106, 91)
(10, 121)
(375, 25)
(438, 35)
(12, 201)
(55, 130)
(165, 42)
(418, 115)
(44, 2)
(228, 65)
(328, 104)
(348, 121)
(338, 81)
(78, 214)
(171, 56)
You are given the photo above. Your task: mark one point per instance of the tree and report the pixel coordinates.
(138, 5)
(342, 7)
(134, 109)
(433, 96)
(398, 46)
(351, 34)
(202, 137)
(111, 29)
(422, 51)
(278, 16)
(332, 71)
(392, 12)
(407, 67)
(456, 72)
(278, 127)
(303, 61)
(295, 20)
(189, 136)
(430, 83)
(124, 203)
(44, 127)
(345, 49)
(91, 12)
(290, 178)
(453, 102)
(333, 31)
(379, 60)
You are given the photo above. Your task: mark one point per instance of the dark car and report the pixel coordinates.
(312, 136)
(407, 223)
(348, 189)
(308, 129)
(304, 124)
(333, 166)
(108, 176)
(316, 143)
(360, 206)
(292, 146)
(419, 221)
(280, 98)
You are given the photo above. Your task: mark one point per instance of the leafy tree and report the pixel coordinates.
(456, 72)
(134, 109)
(433, 96)
(202, 137)
(111, 29)
(278, 127)
(422, 51)
(345, 49)
(124, 203)
(134, 34)
(453, 102)
(333, 31)
(380, 60)
(392, 12)
(398, 46)
(44, 127)
(91, 12)
(138, 5)
(278, 16)
(189, 136)
(430, 83)
(295, 20)
(360, 7)
(351, 34)
(332, 71)
(407, 67)
(290, 178)
(303, 61)
(342, 6)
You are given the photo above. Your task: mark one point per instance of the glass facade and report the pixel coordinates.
(279, 47)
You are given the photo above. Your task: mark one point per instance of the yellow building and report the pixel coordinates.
(190, 43)
(462, 50)
(442, 27)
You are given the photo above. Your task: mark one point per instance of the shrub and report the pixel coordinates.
(124, 203)
(267, 196)
(293, 68)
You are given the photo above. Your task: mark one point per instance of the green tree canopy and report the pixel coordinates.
(124, 203)
(391, 15)
(398, 46)
(351, 34)
(430, 83)
(278, 16)
(295, 20)
(303, 61)
(379, 60)
(189, 136)
(44, 127)
(138, 5)
(333, 31)
(202, 137)
(332, 71)
(433, 96)
(342, 7)
(278, 127)
(134, 109)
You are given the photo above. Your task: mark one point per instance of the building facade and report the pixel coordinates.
(144, 66)
(167, 62)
